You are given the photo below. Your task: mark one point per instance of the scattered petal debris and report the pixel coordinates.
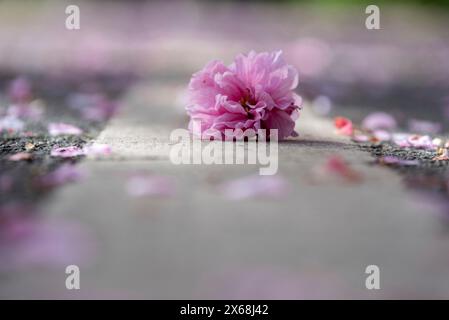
(381, 135)
(255, 186)
(60, 128)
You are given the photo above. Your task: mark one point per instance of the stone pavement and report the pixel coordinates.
(313, 243)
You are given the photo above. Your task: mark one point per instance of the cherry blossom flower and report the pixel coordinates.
(254, 92)
(55, 129)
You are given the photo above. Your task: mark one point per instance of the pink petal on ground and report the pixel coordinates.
(361, 138)
(64, 174)
(98, 150)
(56, 129)
(379, 120)
(20, 156)
(421, 142)
(255, 186)
(150, 185)
(344, 126)
(424, 127)
(67, 152)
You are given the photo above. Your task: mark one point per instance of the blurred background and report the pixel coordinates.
(405, 63)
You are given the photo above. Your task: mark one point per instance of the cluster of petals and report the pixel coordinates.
(255, 92)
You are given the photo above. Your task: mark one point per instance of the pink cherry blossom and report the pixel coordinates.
(254, 92)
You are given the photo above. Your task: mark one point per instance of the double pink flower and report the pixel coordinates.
(254, 92)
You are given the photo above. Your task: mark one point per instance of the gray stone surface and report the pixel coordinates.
(313, 243)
